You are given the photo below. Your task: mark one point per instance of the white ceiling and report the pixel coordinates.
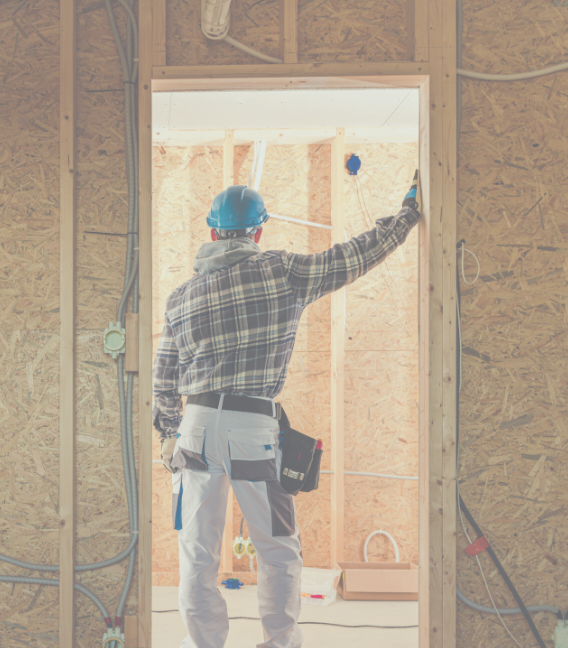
(286, 116)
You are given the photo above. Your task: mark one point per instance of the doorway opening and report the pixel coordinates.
(354, 375)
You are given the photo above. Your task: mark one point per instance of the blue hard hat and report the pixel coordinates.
(236, 208)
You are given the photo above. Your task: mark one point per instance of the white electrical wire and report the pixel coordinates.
(521, 76)
(463, 251)
(388, 535)
(251, 51)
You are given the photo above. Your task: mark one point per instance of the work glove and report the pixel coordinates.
(168, 446)
(413, 197)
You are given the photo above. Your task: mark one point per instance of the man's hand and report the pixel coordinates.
(168, 446)
(413, 198)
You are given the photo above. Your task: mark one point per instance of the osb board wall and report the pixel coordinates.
(381, 365)
(296, 182)
(102, 213)
(29, 320)
(332, 30)
(511, 197)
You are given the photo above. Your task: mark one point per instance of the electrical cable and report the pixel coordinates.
(335, 625)
(251, 51)
(520, 76)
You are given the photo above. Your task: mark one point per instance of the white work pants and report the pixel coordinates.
(217, 448)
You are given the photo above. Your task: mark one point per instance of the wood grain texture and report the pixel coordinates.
(450, 379)
(145, 376)
(131, 631)
(131, 360)
(67, 109)
(288, 18)
(424, 351)
(159, 32)
(338, 172)
(394, 73)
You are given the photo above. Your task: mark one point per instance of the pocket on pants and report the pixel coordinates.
(281, 509)
(189, 451)
(253, 454)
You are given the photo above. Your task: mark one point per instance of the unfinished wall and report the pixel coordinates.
(332, 30)
(381, 358)
(29, 321)
(381, 366)
(29, 316)
(511, 209)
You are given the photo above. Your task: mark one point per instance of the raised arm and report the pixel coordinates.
(314, 275)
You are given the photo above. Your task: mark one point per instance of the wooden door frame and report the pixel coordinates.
(437, 520)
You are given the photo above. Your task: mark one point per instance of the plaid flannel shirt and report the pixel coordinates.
(233, 330)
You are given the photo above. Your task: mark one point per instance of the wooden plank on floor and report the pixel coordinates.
(337, 355)
(145, 329)
(67, 172)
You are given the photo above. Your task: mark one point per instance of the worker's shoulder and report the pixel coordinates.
(179, 293)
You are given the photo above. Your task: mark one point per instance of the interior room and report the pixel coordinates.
(205, 141)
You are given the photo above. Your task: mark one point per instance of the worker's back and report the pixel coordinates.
(235, 326)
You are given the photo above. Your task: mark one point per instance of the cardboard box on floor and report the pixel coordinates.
(362, 581)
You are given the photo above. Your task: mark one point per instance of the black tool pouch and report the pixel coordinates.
(301, 460)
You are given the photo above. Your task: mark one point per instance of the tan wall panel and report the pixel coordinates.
(341, 30)
(381, 365)
(29, 319)
(513, 426)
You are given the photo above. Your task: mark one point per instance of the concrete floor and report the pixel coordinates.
(169, 631)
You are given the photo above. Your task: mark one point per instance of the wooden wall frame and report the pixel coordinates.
(432, 70)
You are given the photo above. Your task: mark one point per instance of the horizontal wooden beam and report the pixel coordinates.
(400, 74)
(285, 136)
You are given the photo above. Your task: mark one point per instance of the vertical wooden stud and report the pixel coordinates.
(289, 31)
(131, 360)
(145, 329)
(449, 321)
(159, 32)
(131, 631)
(337, 355)
(423, 371)
(228, 181)
(67, 161)
(421, 30)
(410, 30)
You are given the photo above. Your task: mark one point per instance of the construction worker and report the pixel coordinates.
(228, 336)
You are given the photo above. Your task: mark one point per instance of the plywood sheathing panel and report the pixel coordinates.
(333, 30)
(29, 319)
(381, 365)
(253, 23)
(29, 474)
(346, 31)
(513, 433)
(102, 197)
